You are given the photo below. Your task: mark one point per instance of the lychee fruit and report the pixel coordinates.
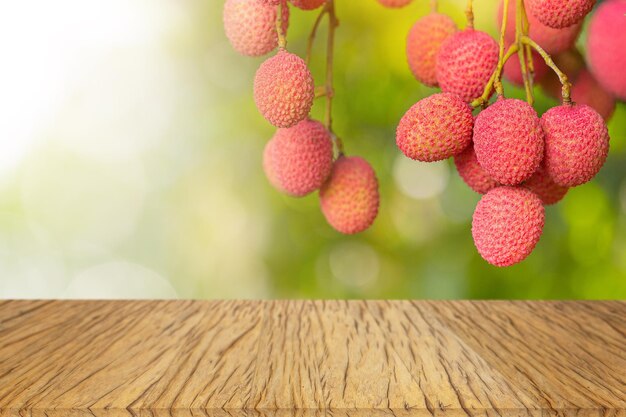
(548, 191)
(507, 224)
(272, 2)
(349, 199)
(508, 141)
(577, 143)
(394, 3)
(605, 46)
(300, 158)
(513, 70)
(586, 90)
(423, 43)
(250, 25)
(465, 63)
(307, 4)
(435, 128)
(559, 13)
(268, 165)
(284, 89)
(551, 40)
(472, 173)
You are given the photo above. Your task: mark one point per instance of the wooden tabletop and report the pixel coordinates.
(310, 358)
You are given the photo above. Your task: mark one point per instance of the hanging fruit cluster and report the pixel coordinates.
(518, 160)
(305, 155)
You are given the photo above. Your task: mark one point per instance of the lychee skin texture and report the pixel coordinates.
(508, 141)
(513, 70)
(435, 128)
(546, 189)
(423, 43)
(586, 90)
(465, 63)
(559, 13)
(472, 173)
(395, 3)
(268, 165)
(577, 143)
(307, 4)
(300, 158)
(250, 25)
(605, 46)
(553, 41)
(350, 199)
(507, 224)
(272, 2)
(284, 89)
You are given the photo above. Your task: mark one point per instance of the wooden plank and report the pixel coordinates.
(312, 358)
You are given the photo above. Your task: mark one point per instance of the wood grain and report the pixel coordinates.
(312, 358)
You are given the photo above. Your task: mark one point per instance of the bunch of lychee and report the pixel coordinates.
(518, 160)
(299, 159)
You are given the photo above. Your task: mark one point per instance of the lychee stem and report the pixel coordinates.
(519, 32)
(311, 40)
(469, 14)
(282, 40)
(434, 6)
(497, 79)
(566, 86)
(333, 23)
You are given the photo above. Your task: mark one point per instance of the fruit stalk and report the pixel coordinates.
(566, 86)
(519, 32)
(282, 40)
(333, 23)
(311, 39)
(469, 14)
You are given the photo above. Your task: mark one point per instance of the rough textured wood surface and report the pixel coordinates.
(312, 358)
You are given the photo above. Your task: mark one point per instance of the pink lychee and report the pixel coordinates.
(551, 40)
(508, 141)
(284, 89)
(605, 46)
(349, 199)
(472, 173)
(586, 90)
(465, 63)
(300, 158)
(577, 143)
(559, 13)
(423, 43)
(435, 128)
(507, 224)
(250, 25)
(542, 184)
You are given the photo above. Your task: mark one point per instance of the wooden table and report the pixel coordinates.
(312, 358)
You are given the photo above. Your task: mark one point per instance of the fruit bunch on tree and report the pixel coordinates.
(501, 147)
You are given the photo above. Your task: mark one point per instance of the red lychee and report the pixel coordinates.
(300, 158)
(507, 224)
(307, 4)
(250, 26)
(513, 70)
(559, 13)
(435, 128)
(548, 191)
(394, 3)
(465, 63)
(551, 40)
(577, 143)
(284, 89)
(349, 199)
(268, 165)
(586, 90)
(508, 141)
(423, 43)
(472, 173)
(605, 46)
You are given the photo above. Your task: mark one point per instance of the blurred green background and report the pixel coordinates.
(130, 167)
